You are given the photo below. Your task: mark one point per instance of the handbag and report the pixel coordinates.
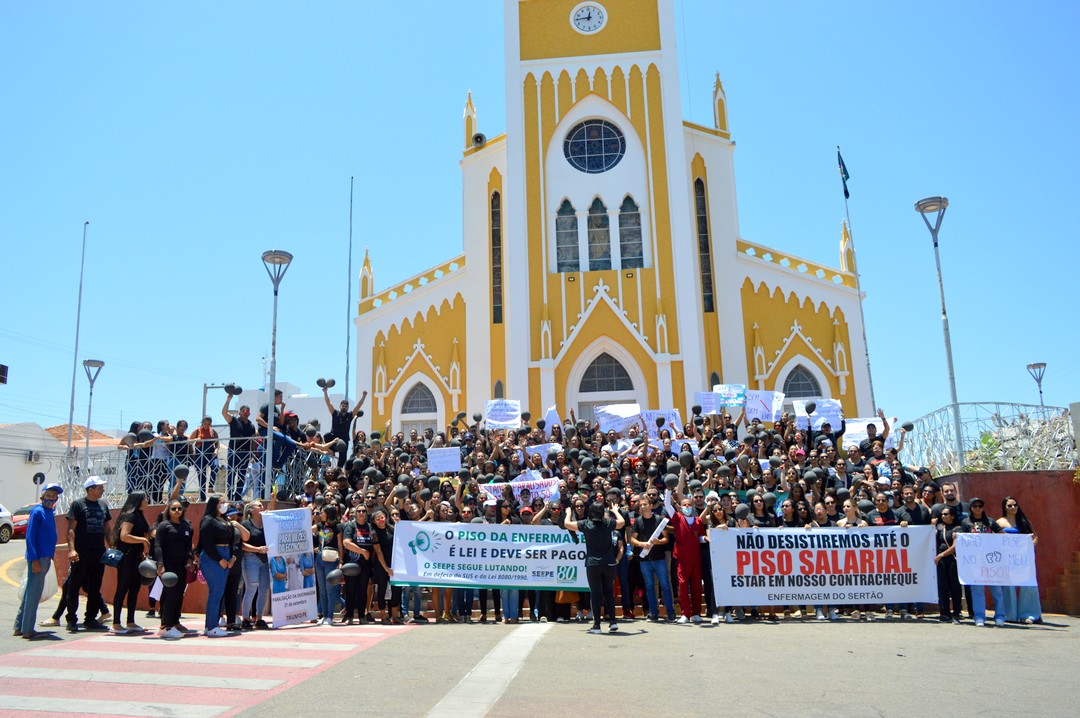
(329, 554)
(566, 597)
(112, 557)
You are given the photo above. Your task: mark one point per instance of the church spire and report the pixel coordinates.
(470, 121)
(847, 249)
(367, 279)
(719, 105)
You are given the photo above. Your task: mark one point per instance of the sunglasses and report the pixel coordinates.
(176, 508)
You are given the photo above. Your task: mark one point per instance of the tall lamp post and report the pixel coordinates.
(276, 262)
(1037, 370)
(925, 208)
(93, 368)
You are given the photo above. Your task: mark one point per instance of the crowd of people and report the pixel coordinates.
(614, 488)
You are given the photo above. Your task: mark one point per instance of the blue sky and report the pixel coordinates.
(194, 136)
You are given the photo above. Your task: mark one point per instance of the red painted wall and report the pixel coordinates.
(1051, 501)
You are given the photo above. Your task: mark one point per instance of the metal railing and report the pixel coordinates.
(995, 436)
(127, 470)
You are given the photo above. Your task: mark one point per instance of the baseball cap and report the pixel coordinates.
(52, 487)
(93, 481)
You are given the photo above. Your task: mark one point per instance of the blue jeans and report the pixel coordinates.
(1022, 607)
(509, 602)
(328, 594)
(238, 462)
(256, 579)
(215, 576)
(26, 619)
(654, 572)
(978, 603)
(411, 594)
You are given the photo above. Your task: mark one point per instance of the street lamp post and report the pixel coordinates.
(276, 262)
(1037, 370)
(924, 207)
(93, 368)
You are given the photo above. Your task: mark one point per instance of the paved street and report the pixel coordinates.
(799, 668)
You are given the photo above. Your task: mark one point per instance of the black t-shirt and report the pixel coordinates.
(240, 429)
(92, 517)
(887, 517)
(139, 527)
(984, 525)
(644, 528)
(600, 540)
(945, 536)
(257, 538)
(761, 522)
(172, 545)
(359, 534)
(340, 421)
(385, 539)
(917, 516)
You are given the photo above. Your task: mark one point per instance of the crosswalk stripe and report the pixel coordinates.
(241, 643)
(146, 679)
(173, 657)
(117, 708)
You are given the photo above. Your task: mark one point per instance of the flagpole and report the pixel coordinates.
(348, 301)
(858, 288)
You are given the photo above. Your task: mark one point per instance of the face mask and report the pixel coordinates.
(48, 504)
(222, 509)
(688, 510)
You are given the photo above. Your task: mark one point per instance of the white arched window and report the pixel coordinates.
(419, 410)
(566, 238)
(630, 248)
(801, 384)
(605, 374)
(599, 237)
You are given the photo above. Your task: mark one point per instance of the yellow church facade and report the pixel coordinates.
(602, 257)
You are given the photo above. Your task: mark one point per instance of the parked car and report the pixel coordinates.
(7, 526)
(19, 517)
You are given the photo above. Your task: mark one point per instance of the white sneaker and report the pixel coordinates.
(834, 615)
(728, 618)
(820, 616)
(797, 614)
(218, 632)
(172, 633)
(683, 620)
(696, 618)
(119, 630)
(221, 621)
(904, 615)
(888, 614)
(715, 619)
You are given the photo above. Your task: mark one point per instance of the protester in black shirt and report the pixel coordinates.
(241, 448)
(600, 558)
(88, 526)
(948, 581)
(173, 553)
(130, 535)
(341, 420)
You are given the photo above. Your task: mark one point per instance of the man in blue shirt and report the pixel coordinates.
(40, 547)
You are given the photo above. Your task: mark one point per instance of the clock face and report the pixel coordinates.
(588, 18)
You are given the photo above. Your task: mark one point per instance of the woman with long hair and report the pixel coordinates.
(948, 580)
(256, 569)
(130, 535)
(1026, 606)
(383, 544)
(329, 549)
(172, 550)
(215, 560)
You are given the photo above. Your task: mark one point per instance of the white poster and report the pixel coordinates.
(502, 414)
(543, 449)
(730, 394)
(770, 567)
(995, 559)
(617, 417)
(547, 489)
(292, 566)
(708, 401)
(764, 405)
(855, 432)
(672, 421)
(828, 410)
(443, 461)
(488, 555)
(551, 418)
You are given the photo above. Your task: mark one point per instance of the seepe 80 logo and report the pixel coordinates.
(566, 574)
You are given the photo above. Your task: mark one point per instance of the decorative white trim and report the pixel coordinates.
(796, 332)
(600, 294)
(436, 389)
(811, 366)
(418, 378)
(600, 345)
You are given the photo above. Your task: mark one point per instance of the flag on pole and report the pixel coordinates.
(843, 173)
